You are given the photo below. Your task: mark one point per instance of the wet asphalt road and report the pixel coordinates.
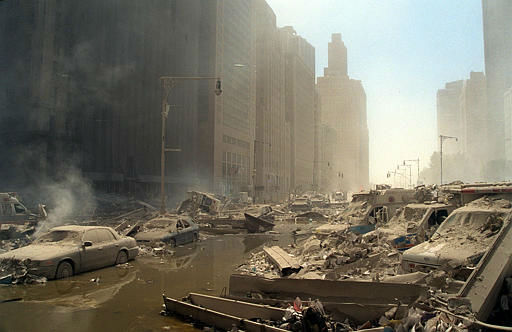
(130, 299)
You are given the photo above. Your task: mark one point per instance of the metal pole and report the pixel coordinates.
(162, 153)
(418, 179)
(167, 83)
(441, 156)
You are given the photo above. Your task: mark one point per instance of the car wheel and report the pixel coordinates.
(172, 243)
(122, 257)
(64, 270)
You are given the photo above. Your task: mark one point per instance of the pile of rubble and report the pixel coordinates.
(14, 271)
(340, 255)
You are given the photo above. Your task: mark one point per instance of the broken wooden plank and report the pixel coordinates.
(325, 290)
(355, 312)
(237, 308)
(215, 318)
(282, 260)
(127, 214)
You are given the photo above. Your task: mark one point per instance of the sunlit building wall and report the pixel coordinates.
(343, 109)
(474, 115)
(497, 18)
(270, 172)
(449, 117)
(300, 108)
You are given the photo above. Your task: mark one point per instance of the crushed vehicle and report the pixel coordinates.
(174, 230)
(263, 222)
(301, 204)
(414, 224)
(200, 202)
(368, 209)
(12, 211)
(462, 239)
(68, 250)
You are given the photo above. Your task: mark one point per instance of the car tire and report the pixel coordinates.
(172, 243)
(122, 257)
(64, 270)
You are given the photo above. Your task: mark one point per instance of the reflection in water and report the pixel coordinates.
(129, 299)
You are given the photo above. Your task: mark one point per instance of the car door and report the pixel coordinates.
(110, 247)
(186, 231)
(91, 256)
(180, 233)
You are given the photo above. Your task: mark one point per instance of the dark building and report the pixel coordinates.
(80, 86)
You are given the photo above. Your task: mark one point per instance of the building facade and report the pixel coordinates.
(473, 106)
(507, 107)
(270, 173)
(344, 164)
(83, 87)
(300, 108)
(449, 117)
(498, 68)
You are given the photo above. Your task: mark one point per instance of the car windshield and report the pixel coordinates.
(59, 237)
(469, 220)
(413, 213)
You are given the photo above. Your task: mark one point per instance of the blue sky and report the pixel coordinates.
(403, 51)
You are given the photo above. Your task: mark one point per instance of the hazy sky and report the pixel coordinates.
(403, 51)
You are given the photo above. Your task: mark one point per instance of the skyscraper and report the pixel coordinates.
(300, 108)
(344, 159)
(497, 24)
(449, 117)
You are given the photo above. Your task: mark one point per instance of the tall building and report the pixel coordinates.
(270, 171)
(507, 107)
(81, 86)
(344, 161)
(497, 26)
(300, 108)
(473, 106)
(227, 148)
(449, 118)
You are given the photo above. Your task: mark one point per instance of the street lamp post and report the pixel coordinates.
(410, 173)
(418, 164)
(441, 140)
(167, 84)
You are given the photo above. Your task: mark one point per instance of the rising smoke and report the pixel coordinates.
(68, 197)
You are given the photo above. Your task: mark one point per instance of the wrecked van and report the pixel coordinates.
(376, 206)
(414, 224)
(462, 239)
(12, 211)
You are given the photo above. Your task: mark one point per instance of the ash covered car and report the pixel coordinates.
(301, 204)
(67, 250)
(174, 230)
(462, 239)
(414, 224)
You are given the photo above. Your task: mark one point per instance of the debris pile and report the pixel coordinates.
(14, 271)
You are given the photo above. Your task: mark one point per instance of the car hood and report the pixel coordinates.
(441, 253)
(152, 235)
(39, 252)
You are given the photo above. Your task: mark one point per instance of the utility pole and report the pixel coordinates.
(441, 140)
(418, 164)
(167, 84)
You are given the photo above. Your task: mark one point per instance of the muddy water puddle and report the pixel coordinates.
(129, 299)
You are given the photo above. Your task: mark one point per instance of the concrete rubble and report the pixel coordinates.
(346, 246)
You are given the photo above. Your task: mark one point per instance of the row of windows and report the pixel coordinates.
(235, 141)
(235, 166)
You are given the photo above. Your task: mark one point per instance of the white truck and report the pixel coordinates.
(12, 211)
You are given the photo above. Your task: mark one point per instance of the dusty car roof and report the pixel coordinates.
(77, 228)
(423, 205)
